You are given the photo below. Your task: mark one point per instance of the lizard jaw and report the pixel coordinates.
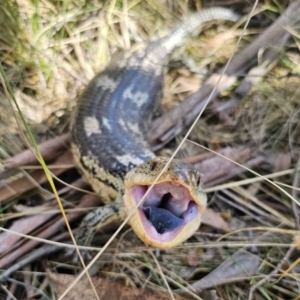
(170, 211)
(167, 216)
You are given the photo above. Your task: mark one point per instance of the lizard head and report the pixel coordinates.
(171, 209)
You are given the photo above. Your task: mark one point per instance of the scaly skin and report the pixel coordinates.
(109, 141)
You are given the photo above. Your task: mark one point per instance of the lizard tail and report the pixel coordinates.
(165, 45)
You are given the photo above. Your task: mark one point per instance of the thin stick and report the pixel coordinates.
(274, 272)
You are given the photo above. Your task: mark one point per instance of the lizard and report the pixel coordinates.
(110, 146)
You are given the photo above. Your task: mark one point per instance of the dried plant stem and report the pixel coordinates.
(274, 272)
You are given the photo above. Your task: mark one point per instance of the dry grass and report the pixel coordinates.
(51, 49)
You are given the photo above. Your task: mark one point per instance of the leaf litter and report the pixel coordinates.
(252, 120)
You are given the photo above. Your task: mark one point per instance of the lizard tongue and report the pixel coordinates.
(162, 219)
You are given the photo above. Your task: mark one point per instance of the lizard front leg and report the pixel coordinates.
(97, 219)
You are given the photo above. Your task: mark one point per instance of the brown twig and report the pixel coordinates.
(37, 177)
(87, 201)
(49, 150)
(33, 256)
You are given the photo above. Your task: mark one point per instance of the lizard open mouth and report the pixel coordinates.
(166, 209)
(171, 210)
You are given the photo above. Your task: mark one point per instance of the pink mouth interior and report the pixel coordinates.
(166, 209)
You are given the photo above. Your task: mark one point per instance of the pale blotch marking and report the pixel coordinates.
(134, 128)
(131, 126)
(148, 154)
(126, 159)
(122, 123)
(91, 125)
(105, 82)
(105, 123)
(139, 98)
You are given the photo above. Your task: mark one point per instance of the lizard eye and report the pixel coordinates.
(153, 166)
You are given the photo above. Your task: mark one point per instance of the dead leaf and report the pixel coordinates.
(213, 219)
(185, 84)
(106, 289)
(283, 162)
(253, 189)
(218, 169)
(198, 158)
(213, 166)
(240, 265)
(213, 44)
(192, 258)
